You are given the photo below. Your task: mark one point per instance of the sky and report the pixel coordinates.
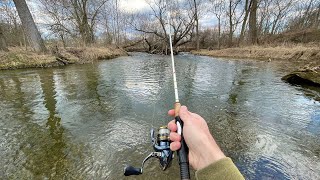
(206, 20)
(133, 5)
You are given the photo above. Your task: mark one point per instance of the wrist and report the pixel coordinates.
(211, 154)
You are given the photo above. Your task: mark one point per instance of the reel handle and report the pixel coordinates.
(130, 170)
(183, 152)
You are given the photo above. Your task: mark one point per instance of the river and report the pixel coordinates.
(88, 121)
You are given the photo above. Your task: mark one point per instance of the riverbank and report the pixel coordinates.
(292, 53)
(17, 58)
(304, 60)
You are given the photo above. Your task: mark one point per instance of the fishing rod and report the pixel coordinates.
(183, 151)
(161, 143)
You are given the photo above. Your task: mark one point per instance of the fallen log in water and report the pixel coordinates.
(309, 76)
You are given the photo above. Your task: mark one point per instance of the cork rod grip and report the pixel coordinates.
(177, 106)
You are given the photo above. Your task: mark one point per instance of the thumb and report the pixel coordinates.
(184, 114)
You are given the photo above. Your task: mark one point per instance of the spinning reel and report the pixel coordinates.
(161, 145)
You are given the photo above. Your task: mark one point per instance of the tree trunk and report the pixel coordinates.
(63, 41)
(25, 41)
(253, 22)
(247, 8)
(3, 44)
(118, 26)
(81, 15)
(29, 26)
(219, 32)
(316, 20)
(230, 24)
(197, 25)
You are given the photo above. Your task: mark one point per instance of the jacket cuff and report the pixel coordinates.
(222, 169)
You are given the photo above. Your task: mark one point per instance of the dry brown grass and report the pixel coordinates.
(90, 54)
(267, 53)
(17, 58)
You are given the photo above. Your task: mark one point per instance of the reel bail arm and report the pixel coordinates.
(130, 170)
(161, 145)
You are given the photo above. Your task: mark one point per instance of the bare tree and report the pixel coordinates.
(253, 22)
(29, 26)
(74, 18)
(117, 29)
(219, 8)
(317, 16)
(308, 15)
(154, 23)
(11, 24)
(279, 12)
(85, 19)
(108, 21)
(197, 24)
(234, 18)
(247, 8)
(116, 22)
(264, 17)
(60, 16)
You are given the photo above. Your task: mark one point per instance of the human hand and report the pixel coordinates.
(203, 150)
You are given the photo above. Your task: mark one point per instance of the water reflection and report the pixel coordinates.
(86, 122)
(37, 141)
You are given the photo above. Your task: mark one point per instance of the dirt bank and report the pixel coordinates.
(17, 58)
(305, 59)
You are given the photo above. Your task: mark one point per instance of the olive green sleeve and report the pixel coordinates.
(222, 169)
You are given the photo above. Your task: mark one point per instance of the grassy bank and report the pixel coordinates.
(17, 58)
(292, 53)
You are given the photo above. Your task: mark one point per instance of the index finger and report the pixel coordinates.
(171, 112)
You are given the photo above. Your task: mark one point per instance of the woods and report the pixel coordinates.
(195, 23)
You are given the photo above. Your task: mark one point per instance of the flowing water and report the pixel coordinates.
(88, 121)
